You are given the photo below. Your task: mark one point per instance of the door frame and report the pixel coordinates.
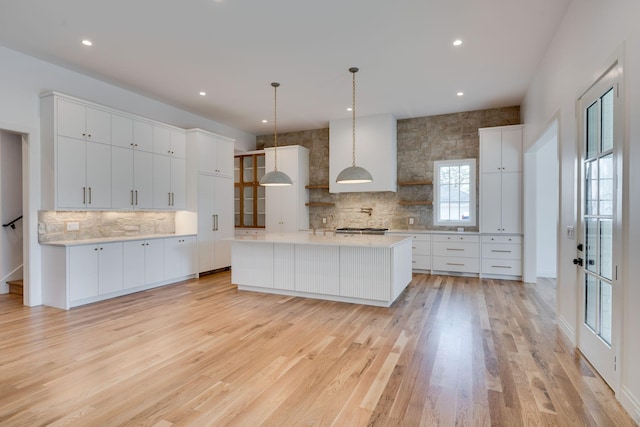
(615, 68)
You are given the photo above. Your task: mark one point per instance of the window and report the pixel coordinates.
(455, 192)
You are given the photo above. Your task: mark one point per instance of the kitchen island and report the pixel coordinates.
(372, 270)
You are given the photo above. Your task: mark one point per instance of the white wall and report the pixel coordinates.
(546, 208)
(10, 206)
(588, 37)
(22, 80)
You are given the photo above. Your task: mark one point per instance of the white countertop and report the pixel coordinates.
(99, 240)
(305, 238)
(432, 232)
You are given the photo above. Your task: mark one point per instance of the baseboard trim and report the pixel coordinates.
(630, 403)
(567, 329)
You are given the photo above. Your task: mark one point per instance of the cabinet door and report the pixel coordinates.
(224, 158)
(98, 176)
(133, 263)
(121, 178)
(206, 222)
(491, 151)
(178, 143)
(110, 268)
(189, 263)
(161, 181)
(143, 136)
(83, 272)
(71, 173)
(491, 202)
(98, 125)
(178, 183)
(142, 180)
(162, 140)
(173, 257)
(71, 120)
(512, 150)
(511, 202)
(224, 221)
(121, 131)
(154, 260)
(273, 211)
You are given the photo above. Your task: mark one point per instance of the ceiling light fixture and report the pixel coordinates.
(203, 93)
(354, 174)
(275, 178)
(87, 42)
(460, 93)
(457, 42)
(265, 121)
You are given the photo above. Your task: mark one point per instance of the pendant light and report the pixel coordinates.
(275, 178)
(354, 174)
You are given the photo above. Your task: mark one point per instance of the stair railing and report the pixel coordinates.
(12, 224)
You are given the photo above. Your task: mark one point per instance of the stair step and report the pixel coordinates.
(15, 286)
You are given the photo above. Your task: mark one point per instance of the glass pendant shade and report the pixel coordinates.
(275, 178)
(354, 174)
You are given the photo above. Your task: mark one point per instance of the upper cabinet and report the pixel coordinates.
(94, 157)
(79, 121)
(214, 152)
(501, 179)
(376, 151)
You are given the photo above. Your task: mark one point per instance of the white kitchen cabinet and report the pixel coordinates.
(286, 207)
(169, 141)
(215, 222)
(128, 132)
(94, 270)
(502, 256)
(131, 179)
(214, 152)
(179, 257)
(501, 180)
(376, 151)
(83, 174)
(169, 182)
(421, 250)
(143, 262)
(456, 253)
(77, 120)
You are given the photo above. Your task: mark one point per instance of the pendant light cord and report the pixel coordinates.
(275, 125)
(353, 115)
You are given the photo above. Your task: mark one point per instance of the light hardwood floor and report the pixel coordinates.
(451, 351)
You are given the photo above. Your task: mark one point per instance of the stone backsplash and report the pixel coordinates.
(98, 224)
(421, 141)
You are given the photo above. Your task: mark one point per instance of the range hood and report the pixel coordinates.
(376, 151)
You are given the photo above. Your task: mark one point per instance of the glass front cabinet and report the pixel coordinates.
(249, 196)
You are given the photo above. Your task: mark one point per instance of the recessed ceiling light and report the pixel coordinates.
(264, 121)
(457, 42)
(203, 93)
(460, 93)
(87, 42)
(349, 109)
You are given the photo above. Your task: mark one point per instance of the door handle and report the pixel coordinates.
(213, 223)
(580, 247)
(84, 195)
(578, 261)
(136, 197)
(89, 192)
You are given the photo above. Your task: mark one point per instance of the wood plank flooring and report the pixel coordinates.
(451, 352)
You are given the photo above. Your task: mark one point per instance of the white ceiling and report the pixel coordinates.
(171, 50)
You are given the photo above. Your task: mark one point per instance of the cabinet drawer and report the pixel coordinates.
(501, 251)
(421, 262)
(421, 247)
(467, 238)
(502, 239)
(456, 249)
(511, 267)
(457, 264)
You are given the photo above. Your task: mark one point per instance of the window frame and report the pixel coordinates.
(473, 190)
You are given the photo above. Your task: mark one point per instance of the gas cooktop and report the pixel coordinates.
(368, 230)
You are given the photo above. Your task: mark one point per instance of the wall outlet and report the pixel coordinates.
(410, 220)
(324, 220)
(73, 226)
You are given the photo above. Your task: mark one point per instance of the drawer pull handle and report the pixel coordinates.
(501, 251)
(455, 249)
(413, 262)
(500, 266)
(413, 247)
(455, 263)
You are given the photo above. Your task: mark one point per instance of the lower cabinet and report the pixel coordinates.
(502, 255)
(420, 250)
(456, 253)
(80, 274)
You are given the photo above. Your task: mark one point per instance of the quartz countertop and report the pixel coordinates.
(432, 232)
(305, 238)
(97, 241)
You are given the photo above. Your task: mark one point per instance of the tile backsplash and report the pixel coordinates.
(52, 225)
